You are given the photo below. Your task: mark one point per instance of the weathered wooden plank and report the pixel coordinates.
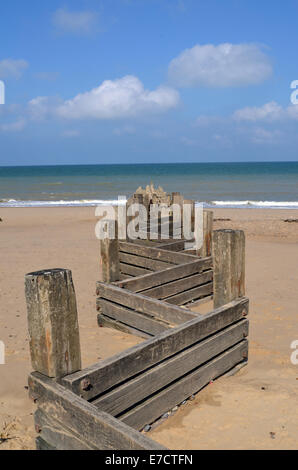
(152, 264)
(132, 318)
(133, 270)
(170, 274)
(154, 407)
(191, 294)
(43, 445)
(176, 245)
(229, 265)
(53, 322)
(94, 426)
(57, 435)
(125, 277)
(156, 378)
(161, 310)
(105, 321)
(206, 249)
(196, 303)
(175, 287)
(109, 372)
(156, 253)
(109, 254)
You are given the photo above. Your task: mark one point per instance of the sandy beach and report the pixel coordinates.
(255, 409)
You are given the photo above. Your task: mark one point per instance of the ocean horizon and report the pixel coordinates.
(235, 185)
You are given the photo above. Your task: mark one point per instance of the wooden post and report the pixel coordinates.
(229, 266)
(109, 263)
(206, 249)
(53, 322)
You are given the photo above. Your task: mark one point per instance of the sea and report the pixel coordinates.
(236, 185)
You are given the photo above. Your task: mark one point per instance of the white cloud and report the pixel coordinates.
(265, 136)
(269, 112)
(224, 65)
(12, 68)
(75, 22)
(42, 107)
(16, 126)
(121, 98)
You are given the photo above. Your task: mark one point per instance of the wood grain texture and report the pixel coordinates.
(172, 273)
(152, 380)
(53, 322)
(97, 428)
(114, 370)
(175, 393)
(156, 308)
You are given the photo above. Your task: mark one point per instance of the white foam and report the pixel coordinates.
(75, 203)
(258, 204)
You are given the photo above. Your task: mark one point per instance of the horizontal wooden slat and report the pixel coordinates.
(160, 310)
(57, 435)
(170, 274)
(105, 321)
(98, 428)
(125, 277)
(154, 379)
(109, 372)
(175, 287)
(131, 317)
(154, 407)
(176, 245)
(133, 270)
(156, 253)
(196, 303)
(152, 264)
(191, 294)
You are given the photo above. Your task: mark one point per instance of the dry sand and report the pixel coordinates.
(255, 409)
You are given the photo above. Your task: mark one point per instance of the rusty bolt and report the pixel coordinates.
(97, 291)
(85, 384)
(244, 313)
(37, 428)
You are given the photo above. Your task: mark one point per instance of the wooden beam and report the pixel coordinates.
(133, 270)
(141, 261)
(160, 310)
(53, 322)
(174, 245)
(229, 265)
(96, 427)
(169, 274)
(110, 372)
(143, 322)
(105, 321)
(154, 407)
(109, 266)
(181, 285)
(191, 294)
(152, 380)
(206, 249)
(156, 253)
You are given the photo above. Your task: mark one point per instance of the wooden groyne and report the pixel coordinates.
(147, 288)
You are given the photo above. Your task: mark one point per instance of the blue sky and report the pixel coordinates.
(122, 81)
